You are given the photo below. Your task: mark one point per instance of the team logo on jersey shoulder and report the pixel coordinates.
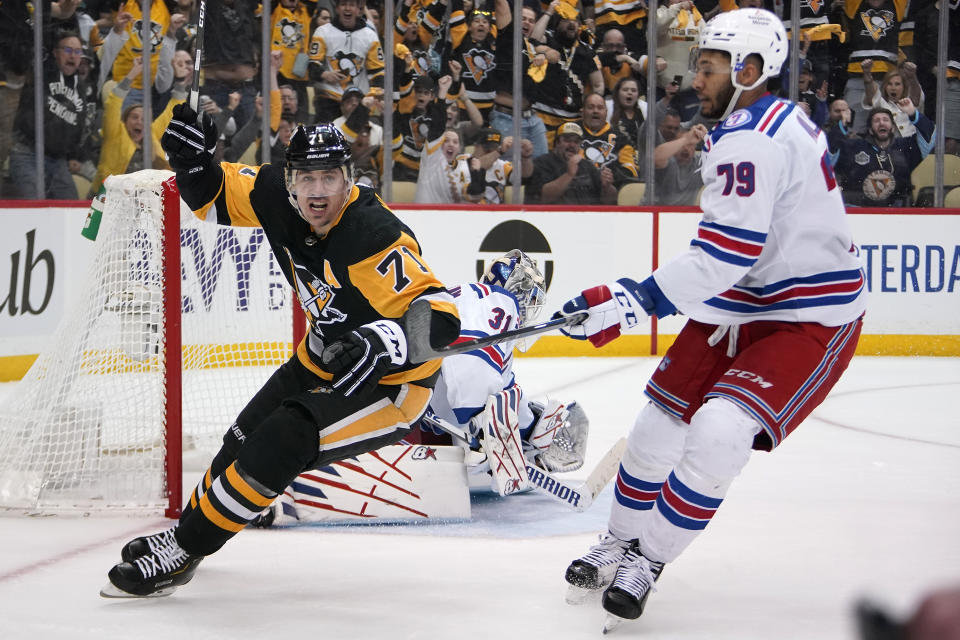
(248, 171)
(737, 119)
(862, 158)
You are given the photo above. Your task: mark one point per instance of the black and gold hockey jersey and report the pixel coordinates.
(566, 84)
(606, 149)
(874, 33)
(367, 267)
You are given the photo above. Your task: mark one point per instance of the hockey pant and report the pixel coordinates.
(294, 423)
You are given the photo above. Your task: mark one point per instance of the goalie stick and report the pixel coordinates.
(578, 498)
(418, 334)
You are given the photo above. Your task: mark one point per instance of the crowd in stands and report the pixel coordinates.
(867, 76)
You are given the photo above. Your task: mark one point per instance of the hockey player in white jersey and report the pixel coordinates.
(477, 395)
(774, 291)
(478, 389)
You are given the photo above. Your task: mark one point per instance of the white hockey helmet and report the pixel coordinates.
(741, 33)
(519, 274)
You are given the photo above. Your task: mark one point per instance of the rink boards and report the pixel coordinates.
(911, 259)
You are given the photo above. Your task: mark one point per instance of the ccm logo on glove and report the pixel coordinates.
(612, 308)
(362, 357)
(393, 339)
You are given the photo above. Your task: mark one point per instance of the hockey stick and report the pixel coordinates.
(418, 334)
(578, 498)
(198, 53)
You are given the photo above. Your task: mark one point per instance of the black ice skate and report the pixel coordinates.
(156, 573)
(595, 570)
(146, 544)
(625, 598)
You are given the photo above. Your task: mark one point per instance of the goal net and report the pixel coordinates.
(180, 322)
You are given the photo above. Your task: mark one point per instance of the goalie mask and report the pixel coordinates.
(741, 33)
(518, 273)
(314, 148)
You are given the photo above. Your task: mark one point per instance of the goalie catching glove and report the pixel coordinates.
(189, 141)
(361, 358)
(611, 308)
(558, 437)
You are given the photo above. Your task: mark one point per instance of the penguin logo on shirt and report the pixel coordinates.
(419, 130)
(348, 64)
(291, 34)
(156, 35)
(599, 151)
(478, 63)
(877, 22)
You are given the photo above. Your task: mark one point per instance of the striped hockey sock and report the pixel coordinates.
(227, 506)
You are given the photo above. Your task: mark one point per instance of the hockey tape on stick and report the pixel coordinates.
(578, 498)
(418, 334)
(198, 53)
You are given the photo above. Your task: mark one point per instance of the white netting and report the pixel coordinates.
(86, 428)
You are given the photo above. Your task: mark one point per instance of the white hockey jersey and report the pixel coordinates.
(356, 54)
(468, 379)
(773, 243)
(496, 179)
(437, 183)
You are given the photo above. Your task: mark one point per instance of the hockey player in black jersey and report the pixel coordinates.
(349, 388)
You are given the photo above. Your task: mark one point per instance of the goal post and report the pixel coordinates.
(180, 322)
(173, 351)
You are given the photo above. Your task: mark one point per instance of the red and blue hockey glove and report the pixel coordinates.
(362, 357)
(612, 308)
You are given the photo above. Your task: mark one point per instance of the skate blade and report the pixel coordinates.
(577, 595)
(110, 591)
(611, 622)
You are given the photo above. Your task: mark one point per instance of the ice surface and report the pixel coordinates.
(863, 500)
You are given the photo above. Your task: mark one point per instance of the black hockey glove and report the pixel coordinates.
(189, 141)
(359, 359)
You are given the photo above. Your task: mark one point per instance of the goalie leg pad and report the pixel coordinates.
(500, 441)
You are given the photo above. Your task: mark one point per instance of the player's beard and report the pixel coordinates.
(719, 104)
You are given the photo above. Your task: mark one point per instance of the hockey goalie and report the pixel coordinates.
(498, 436)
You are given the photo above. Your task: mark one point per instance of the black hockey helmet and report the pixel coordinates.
(318, 146)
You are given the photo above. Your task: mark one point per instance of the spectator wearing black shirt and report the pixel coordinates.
(566, 177)
(875, 170)
(603, 145)
(63, 121)
(575, 75)
(474, 50)
(533, 63)
(231, 47)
